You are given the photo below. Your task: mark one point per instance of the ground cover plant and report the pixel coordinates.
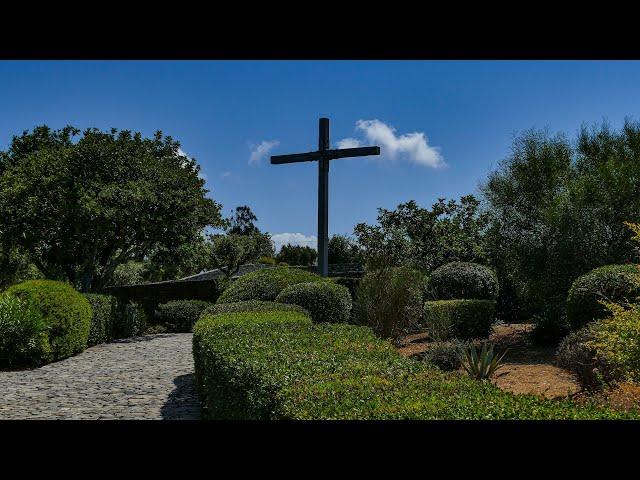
(275, 365)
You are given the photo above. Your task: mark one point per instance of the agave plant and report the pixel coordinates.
(482, 365)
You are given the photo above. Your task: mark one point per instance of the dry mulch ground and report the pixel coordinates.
(527, 368)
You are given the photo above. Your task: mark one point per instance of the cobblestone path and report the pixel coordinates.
(149, 377)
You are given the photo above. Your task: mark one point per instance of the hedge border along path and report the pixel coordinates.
(278, 365)
(148, 377)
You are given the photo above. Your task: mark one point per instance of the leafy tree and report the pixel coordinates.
(81, 207)
(242, 222)
(229, 252)
(130, 273)
(557, 210)
(297, 255)
(343, 249)
(425, 239)
(15, 267)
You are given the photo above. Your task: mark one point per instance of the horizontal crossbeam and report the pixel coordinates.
(328, 154)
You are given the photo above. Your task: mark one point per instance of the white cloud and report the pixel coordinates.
(202, 175)
(225, 174)
(349, 143)
(182, 153)
(280, 239)
(413, 147)
(258, 152)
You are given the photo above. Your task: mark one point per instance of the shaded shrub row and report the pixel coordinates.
(463, 319)
(42, 321)
(280, 365)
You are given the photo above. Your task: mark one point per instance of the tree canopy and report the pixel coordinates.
(82, 206)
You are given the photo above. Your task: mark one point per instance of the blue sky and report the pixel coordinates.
(453, 121)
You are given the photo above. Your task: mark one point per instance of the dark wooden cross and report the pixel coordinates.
(323, 155)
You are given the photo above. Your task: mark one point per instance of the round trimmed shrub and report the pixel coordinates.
(66, 313)
(252, 306)
(180, 315)
(445, 355)
(467, 280)
(23, 334)
(464, 319)
(266, 284)
(325, 301)
(611, 283)
(101, 330)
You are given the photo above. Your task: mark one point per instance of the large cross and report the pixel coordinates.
(323, 155)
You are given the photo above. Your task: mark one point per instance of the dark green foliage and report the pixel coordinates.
(229, 252)
(425, 239)
(23, 334)
(343, 250)
(389, 301)
(266, 284)
(280, 366)
(81, 206)
(350, 283)
(445, 355)
(557, 210)
(550, 324)
(103, 308)
(611, 283)
(576, 356)
(296, 255)
(458, 280)
(129, 320)
(325, 301)
(468, 318)
(66, 313)
(180, 315)
(252, 306)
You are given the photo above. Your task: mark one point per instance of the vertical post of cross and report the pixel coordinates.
(323, 200)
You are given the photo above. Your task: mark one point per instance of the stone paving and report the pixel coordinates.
(148, 377)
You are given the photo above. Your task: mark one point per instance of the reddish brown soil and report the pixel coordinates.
(527, 368)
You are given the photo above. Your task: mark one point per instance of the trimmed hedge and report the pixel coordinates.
(253, 306)
(467, 318)
(266, 284)
(612, 283)
(277, 365)
(325, 301)
(463, 280)
(180, 315)
(103, 307)
(23, 333)
(66, 313)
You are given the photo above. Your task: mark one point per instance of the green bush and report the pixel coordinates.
(389, 301)
(576, 356)
(467, 318)
(325, 301)
(445, 355)
(350, 282)
(266, 284)
(23, 334)
(252, 306)
(103, 307)
(611, 283)
(466, 280)
(278, 365)
(616, 342)
(180, 315)
(67, 314)
(129, 320)
(550, 324)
